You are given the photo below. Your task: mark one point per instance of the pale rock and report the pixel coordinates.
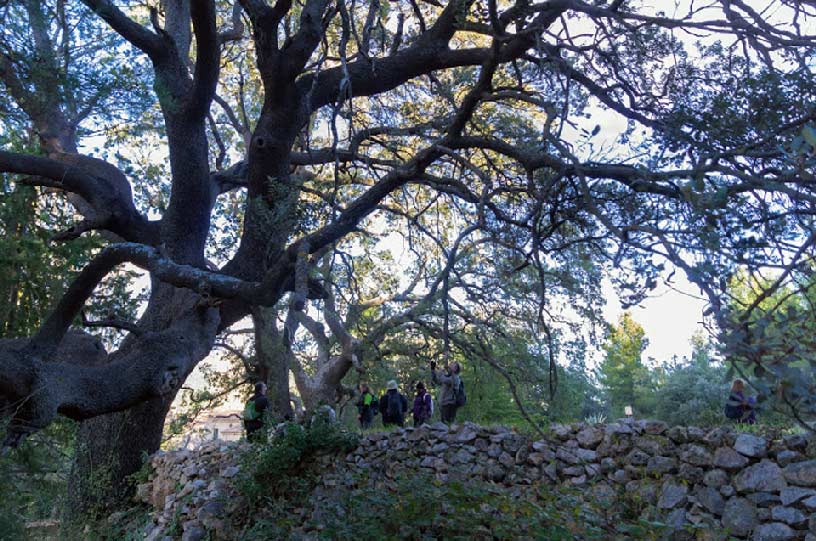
(751, 446)
(617, 429)
(466, 435)
(764, 499)
(695, 454)
(727, 491)
(637, 458)
(788, 515)
(440, 448)
(716, 436)
(695, 434)
(786, 456)
(672, 495)
(764, 476)
(715, 478)
(506, 460)
(586, 455)
(801, 473)
(562, 432)
(739, 516)
(728, 459)
(774, 531)
(792, 495)
(590, 437)
(711, 500)
(690, 474)
(659, 465)
(536, 459)
(652, 427)
(678, 434)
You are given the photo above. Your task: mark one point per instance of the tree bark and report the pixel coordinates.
(272, 361)
(109, 449)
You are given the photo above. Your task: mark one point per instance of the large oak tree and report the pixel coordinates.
(370, 109)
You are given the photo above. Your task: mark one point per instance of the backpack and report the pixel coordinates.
(250, 413)
(424, 409)
(461, 397)
(394, 409)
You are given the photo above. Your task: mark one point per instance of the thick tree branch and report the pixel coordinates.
(208, 57)
(100, 184)
(141, 38)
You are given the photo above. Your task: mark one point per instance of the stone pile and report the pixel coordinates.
(700, 483)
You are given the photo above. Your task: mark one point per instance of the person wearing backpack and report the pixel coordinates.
(393, 406)
(367, 406)
(254, 411)
(452, 393)
(423, 405)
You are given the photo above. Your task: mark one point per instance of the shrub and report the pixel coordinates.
(282, 467)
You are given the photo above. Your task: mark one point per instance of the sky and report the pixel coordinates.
(670, 316)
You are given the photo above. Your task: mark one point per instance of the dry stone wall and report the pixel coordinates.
(702, 484)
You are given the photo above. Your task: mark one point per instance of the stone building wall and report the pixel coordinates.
(700, 483)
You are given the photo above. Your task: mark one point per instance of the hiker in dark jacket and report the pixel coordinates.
(423, 405)
(393, 406)
(255, 410)
(450, 381)
(366, 406)
(739, 407)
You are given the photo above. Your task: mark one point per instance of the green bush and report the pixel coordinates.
(282, 467)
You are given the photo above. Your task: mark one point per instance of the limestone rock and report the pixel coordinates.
(659, 465)
(795, 442)
(690, 474)
(678, 434)
(739, 516)
(786, 456)
(728, 459)
(637, 458)
(652, 427)
(590, 437)
(466, 435)
(774, 531)
(792, 495)
(672, 495)
(764, 476)
(750, 445)
(801, 473)
(695, 454)
(715, 478)
(788, 515)
(711, 500)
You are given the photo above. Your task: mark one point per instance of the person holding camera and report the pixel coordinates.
(452, 391)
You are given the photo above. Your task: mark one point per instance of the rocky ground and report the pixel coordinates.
(700, 484)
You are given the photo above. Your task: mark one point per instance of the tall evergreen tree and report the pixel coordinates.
(623, 374)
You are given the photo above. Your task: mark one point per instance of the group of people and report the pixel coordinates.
(393, 405)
